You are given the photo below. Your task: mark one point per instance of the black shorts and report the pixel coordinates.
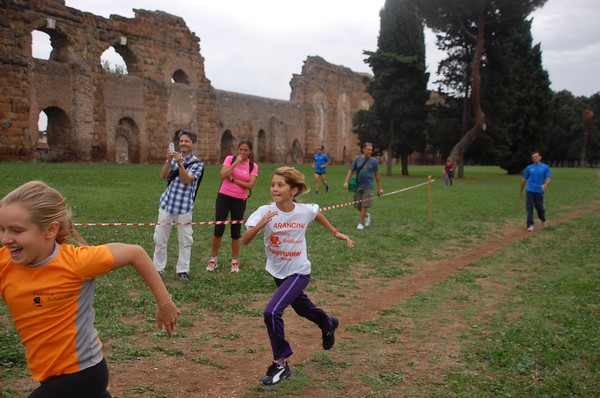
(89, 383)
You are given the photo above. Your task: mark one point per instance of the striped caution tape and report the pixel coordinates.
(153, 224)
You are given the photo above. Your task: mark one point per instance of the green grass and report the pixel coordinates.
(543, 342)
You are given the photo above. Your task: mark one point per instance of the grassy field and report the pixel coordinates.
(543, 341)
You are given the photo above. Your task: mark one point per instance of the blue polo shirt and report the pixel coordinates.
(536, 175)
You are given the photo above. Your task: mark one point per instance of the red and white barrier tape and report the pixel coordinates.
(153, 224)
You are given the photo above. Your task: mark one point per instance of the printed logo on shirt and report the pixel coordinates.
(38, 301)
(274, 240)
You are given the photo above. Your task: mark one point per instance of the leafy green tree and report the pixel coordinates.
(516, 93)
(399, 83)
(444, 125)
(472, 19)
(567, 139)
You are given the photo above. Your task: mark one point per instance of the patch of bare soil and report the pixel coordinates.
(233, 372)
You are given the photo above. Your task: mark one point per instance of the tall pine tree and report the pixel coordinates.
(399, 85)
(516, 93)
(472, 19)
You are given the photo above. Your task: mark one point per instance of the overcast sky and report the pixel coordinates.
(254, 46)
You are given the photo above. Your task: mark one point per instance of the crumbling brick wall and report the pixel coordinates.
(95, 115)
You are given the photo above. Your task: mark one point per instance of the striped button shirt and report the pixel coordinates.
(178, 198)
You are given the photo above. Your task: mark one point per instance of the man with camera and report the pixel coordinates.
(183, 172)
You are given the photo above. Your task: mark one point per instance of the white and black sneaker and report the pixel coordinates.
(275, 374)
(329, 337)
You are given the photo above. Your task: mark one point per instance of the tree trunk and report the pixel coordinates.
(404, 161)
(389, 161)
(388, 171)
(461, 147)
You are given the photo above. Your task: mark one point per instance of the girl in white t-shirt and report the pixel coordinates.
(285, 222)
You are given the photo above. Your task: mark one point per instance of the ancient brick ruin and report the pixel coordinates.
(98, 116)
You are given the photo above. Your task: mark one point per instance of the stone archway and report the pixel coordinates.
(126, 141)
(261, 147)
(227, 147)
(59, 136)
(122, 149)
(296, 155)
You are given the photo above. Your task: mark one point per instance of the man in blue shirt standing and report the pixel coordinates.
(537, 177)
(183, 171)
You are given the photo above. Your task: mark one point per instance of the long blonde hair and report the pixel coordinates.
(45, 205)
(293, 178)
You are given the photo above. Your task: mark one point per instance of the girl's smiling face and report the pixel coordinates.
(281, 191)
(27, 241)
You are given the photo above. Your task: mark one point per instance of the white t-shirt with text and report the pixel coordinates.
(284, 238)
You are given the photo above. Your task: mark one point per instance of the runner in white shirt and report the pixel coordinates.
(285, 222)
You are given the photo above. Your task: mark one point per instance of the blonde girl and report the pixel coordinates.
(48, 285)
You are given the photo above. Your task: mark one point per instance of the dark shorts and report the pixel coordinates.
(89, 383)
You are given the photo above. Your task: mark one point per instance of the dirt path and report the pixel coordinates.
(234, 376)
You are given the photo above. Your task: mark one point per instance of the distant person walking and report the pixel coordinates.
(183, 172)
(320, 163)
(536, 178)
(285, 222)
(448, 172)
(367, 173)
(238, 175)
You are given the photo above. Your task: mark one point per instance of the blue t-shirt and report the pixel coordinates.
(366, 176)
(320, 160)
(536, 175)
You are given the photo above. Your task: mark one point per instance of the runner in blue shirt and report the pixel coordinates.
(536, 177)
(320, 162)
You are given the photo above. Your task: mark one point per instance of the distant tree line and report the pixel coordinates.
(497, 106)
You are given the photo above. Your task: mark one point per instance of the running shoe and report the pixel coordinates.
(276, 374)
(329, 337)
(212, 264)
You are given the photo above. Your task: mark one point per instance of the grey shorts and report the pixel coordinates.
(364, 195)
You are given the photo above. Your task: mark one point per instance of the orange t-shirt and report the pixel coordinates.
(52, 307)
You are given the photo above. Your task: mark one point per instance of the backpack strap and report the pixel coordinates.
(175, 173)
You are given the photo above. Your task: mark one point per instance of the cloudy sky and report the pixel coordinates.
(254, 47)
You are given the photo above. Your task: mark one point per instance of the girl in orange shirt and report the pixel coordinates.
(48, 285)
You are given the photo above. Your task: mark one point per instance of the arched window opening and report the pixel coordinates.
(41, 48)
(180, 77)
(50, 44)
(41, 146)
(113, 62)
